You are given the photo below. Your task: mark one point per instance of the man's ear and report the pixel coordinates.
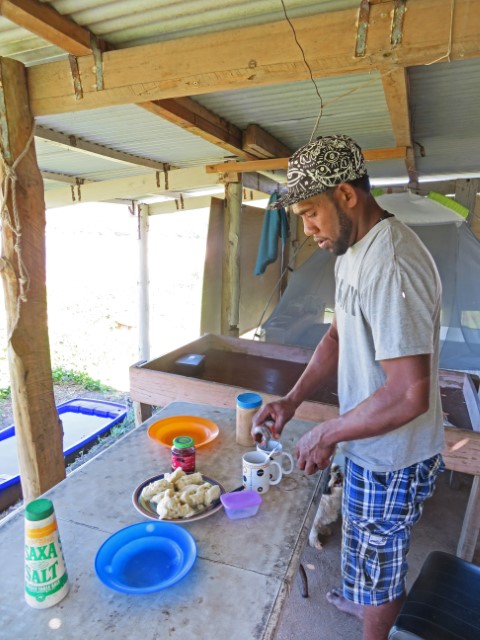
(347, 195)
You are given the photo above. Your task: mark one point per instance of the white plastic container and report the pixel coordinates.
(247, 406)
(46, 579)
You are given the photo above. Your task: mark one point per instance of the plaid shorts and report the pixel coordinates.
(378, 511)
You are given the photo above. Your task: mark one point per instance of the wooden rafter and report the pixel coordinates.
(47, 23)
(44, 21)
(395, 86)
(282, 163)
(244, 57)
(63, 178)
(85, 146)
(170, 183)
(193, 117)
(249, 196)
(259, 182)
(263, 145)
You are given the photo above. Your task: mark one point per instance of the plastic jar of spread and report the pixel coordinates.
(247, 406)
(46, 579)
(183, 454)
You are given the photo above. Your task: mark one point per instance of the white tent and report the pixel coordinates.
(299, 318)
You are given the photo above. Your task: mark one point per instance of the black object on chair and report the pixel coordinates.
(443, 603)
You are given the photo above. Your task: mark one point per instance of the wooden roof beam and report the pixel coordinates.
(282, 163)
(249, 196)
(63, 177)
(262, 144)
(193, 117)
(244, 57)
(169, 183)
(44, 21)
(395, 86)
(259, 182)
(85, 146)
(250, 144)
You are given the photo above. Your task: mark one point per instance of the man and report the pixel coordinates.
(383, 346)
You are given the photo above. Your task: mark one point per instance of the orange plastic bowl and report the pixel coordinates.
(201, 430)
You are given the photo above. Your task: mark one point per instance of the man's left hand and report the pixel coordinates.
(312, 455)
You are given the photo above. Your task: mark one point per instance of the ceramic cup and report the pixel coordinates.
(259, 471)
(274, 449)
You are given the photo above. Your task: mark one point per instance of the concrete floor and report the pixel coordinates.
(313, 618)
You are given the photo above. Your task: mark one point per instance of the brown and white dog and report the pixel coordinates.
(328, 509)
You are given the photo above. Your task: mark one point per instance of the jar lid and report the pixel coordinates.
(39, 509)
(249, 400)
(183, 442)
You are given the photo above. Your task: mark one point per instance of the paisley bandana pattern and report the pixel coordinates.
(319, 165)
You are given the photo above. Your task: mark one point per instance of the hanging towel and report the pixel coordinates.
(275, 225)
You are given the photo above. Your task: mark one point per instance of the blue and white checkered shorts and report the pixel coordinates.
(379, 510)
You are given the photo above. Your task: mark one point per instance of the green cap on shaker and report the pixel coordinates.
(39, 509)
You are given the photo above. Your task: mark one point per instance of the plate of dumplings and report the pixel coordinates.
(178, 496)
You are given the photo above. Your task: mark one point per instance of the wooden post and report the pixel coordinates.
(210, 321)
(231, 262)
(143, 284)
(22, 265)
(143, 411)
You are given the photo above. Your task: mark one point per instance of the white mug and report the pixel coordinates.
(274, 449)
(258, 471)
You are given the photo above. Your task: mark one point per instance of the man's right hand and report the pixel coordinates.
(278, 412)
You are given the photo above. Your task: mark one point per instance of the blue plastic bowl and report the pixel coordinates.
(146, 557)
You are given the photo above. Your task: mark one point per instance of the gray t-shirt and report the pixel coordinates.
(387, 305)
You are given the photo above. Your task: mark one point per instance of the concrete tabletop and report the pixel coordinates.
(243, 573)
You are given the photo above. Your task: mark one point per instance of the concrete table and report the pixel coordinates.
(238, 584)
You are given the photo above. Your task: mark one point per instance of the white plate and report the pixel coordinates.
(149, 509)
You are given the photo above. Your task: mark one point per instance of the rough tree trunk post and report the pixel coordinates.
(22, 265)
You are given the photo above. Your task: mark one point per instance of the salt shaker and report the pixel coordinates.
(247, 406)
(46, 579)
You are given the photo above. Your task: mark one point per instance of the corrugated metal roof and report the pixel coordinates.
(444, 97)
(136, 131)
(354, 105)
(445, 109)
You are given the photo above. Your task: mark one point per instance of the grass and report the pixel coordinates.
(5, 393)
(68, 376)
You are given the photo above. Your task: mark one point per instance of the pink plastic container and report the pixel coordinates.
(241, 504)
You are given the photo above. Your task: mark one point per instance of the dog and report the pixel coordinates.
(328, 509)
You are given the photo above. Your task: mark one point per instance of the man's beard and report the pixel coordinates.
(342, 243)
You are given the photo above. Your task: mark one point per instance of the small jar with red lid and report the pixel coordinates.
(183, 454)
